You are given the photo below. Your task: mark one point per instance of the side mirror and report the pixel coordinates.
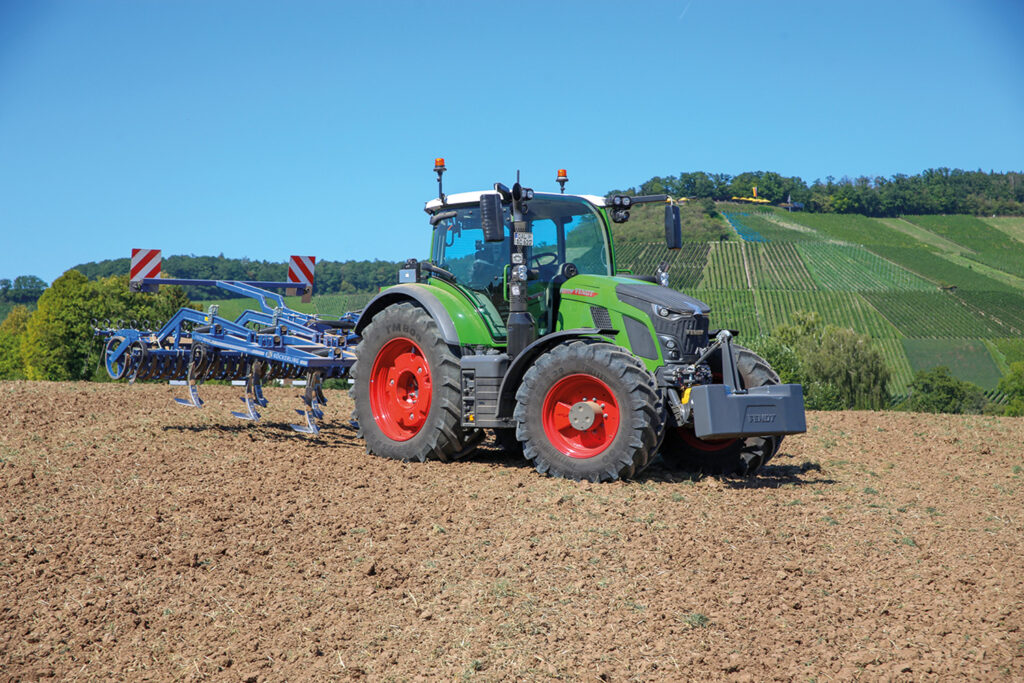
(491, 219)
(673, 231)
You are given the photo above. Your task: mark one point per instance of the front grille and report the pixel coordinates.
(602, 320)
(691, 333)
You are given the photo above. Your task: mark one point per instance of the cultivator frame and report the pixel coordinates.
(275, 342)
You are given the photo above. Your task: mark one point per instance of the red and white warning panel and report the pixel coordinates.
(300, 271)
(145, 263)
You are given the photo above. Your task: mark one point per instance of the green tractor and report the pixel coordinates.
(520, 323)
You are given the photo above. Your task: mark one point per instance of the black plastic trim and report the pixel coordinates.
(641, 342)
(523, 362)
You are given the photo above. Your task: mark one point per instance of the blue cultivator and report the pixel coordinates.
(275, 342)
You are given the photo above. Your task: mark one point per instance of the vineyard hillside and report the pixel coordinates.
(929, 290)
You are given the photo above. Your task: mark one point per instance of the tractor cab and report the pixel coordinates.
(568, 238)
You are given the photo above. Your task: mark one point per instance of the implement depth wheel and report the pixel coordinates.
(588, 410)
(684, 451)
(405, 385)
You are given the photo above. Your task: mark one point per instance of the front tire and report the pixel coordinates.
(405, 385)
(684, 451)
(589, 410)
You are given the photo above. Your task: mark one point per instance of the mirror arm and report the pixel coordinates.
(443, 216)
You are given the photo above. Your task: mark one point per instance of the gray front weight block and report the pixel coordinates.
(772, 410)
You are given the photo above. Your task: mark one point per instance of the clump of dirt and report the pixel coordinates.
(140, 539)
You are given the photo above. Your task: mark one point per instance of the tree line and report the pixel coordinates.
(934, 191)
(24, 289)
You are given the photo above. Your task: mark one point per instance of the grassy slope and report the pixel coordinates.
(1011, 225)
(647, 224)
(328, 304)
(967, 359)
(918, 233)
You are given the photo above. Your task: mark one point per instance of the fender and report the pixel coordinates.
(524, 361)
(410, 292)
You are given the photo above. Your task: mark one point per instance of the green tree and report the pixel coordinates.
(11, 330)
(938, 391)
(1013, 386)
(847, 361)
(837, 367)
(59, 342)
(54, 345)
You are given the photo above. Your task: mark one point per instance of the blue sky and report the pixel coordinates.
(262, 129)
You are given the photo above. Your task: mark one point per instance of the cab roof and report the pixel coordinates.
(464, 198)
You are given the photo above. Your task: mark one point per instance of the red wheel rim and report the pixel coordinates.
(597, 398)
(400, 389)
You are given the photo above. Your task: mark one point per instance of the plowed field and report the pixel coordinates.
(141, 540)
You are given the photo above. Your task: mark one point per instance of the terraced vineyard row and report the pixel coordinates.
(896, 360)
(968, 231)
(726, 269)
(626, 253)
(937, 269)
(687, 269)
(842, 309)
(990, 245)
(777, 265)
(848, 227)
(1008, 261)
(686, 265)
(733, 310)
(768, 225)
(739, 221)
(854, 268)
(1006, 308)
(938, 314)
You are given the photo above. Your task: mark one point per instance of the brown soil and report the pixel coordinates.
(144, 540)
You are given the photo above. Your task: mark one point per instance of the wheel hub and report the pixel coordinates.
(584, 413)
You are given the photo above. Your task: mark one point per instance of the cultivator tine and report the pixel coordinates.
(137, 358)
(311, 398)
(197, 364)
(193, 397)
(253, 392)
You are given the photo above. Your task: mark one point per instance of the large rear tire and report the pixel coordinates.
(684, 451)
(589, 410)
(405, 386)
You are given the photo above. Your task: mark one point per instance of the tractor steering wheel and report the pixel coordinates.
(552, 260)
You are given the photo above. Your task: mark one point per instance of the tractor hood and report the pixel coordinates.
(645, 296)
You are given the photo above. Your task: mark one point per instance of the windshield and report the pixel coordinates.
(565, 230)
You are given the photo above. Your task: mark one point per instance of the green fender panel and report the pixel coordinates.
(460, 325)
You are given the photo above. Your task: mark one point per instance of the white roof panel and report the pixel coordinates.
(463, 198)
